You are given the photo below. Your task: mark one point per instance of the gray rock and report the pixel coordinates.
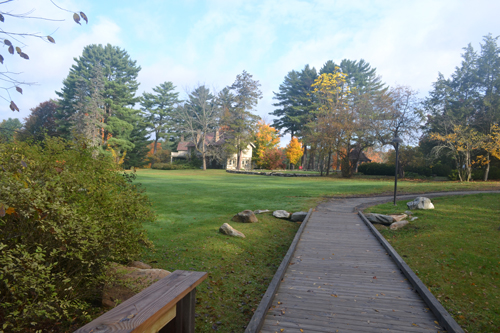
(407, 212)
(420, 203)
(413, 218)
(226, 229)
(380, 218)
(246, 216)
(260, 211)
(298, 216)
(398, 225)
(281, 214)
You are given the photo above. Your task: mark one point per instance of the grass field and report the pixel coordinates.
(191, 206)
(455, 250)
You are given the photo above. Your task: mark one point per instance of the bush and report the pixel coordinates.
(494, 173)
(377, 169)
(172, 166)
(64, 215)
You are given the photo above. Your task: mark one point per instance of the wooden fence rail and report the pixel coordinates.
(166, 306)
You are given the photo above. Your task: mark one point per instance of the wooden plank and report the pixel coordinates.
(444, 318)
(258, 317)
(142, 312)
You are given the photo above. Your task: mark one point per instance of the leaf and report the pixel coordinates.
(7, 42)
(19, 90)
(18, 50)
(11, 49)
(76, 17)
(24, 56)
(10, 210)
(1, 59)
(2, 19)
(2, 210)
(82, 14)
(52, 40)
(59, 170)
(24, 164)
(13, 106)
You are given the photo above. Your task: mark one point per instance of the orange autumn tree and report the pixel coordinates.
(294, 151)
(265, 138)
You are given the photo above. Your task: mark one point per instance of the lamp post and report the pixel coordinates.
(397, 140)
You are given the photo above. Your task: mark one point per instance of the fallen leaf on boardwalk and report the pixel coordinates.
(301, 330)
(374, 277)
(414, 324)
(376, 295)
(375, 310)
(280, 303)
(436, 322)
(282, 329)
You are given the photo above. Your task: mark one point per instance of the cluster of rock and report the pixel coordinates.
(278, 174)
(395, 222)
(248, 216)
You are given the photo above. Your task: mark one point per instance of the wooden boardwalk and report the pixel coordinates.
(341, 279)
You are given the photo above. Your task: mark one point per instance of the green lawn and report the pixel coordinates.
(191, 206)
(455, 250)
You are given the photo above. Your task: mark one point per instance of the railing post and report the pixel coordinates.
(184, 318)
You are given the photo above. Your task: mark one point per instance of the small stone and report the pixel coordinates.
(246, 216)
(261, 211)
(398, 225)
(226, 229)
(408, 212)
(281, 214)
(298, 216)
(420, 203)
(413, 218)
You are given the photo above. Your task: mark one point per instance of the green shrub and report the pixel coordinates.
(494, 173)
(64, 215)
(377, 169)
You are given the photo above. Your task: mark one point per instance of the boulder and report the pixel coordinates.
(298, 216)
(281, 214)
(128, 281)
(139, 264)
(380, 218)
(398, 217)
(226, 229)
(260, 211)
(246, 216)
(398, 225)
(420, 203)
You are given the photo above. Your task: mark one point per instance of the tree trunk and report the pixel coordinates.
(204, 157)
(338, 162)
(238, 164)
(328, 163)
(487, 171)
(304, 158)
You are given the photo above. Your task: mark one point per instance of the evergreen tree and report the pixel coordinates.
(136, 157)
(239, 120)
(120, 85)
(158, 110)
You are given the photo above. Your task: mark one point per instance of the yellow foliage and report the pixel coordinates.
(265, 138)
(294, 150)
(116, 156)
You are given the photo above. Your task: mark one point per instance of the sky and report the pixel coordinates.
(194, 42)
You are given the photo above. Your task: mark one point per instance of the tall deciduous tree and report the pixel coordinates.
(239, 121)
(40, 123)
(8, 129)
(158, 110)
(199, 118)
(120, 85)
(266, 137)
(294, 151)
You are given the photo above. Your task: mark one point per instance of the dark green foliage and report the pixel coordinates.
(377, 169)
(120, 85)
(8, 129)
(64, 215)
(193, 163)
(360, 74)
(40, 123)
(139, 138)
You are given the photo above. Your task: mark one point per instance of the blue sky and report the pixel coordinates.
(210, 42)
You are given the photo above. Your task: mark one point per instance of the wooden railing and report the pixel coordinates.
(166, 306)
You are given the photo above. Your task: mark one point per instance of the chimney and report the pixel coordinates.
(216, 136)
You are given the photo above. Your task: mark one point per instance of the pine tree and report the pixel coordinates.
(120, 85)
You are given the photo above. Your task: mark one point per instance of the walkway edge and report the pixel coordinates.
(259, 315)
(444, 318)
